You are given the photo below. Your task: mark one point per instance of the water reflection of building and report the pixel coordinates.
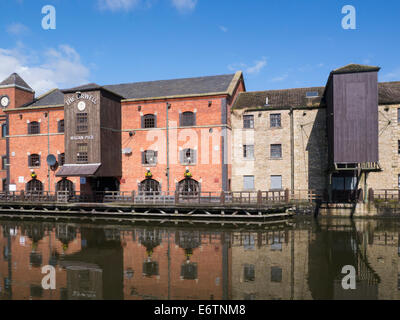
(26, 248)
(270, 265)
(189, 265)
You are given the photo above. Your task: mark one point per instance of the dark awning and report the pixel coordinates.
(78, 170)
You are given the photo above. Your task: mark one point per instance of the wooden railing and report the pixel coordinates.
(167, 198)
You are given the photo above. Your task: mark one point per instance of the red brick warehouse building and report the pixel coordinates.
(114, 137)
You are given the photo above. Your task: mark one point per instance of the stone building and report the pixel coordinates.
(281, 138)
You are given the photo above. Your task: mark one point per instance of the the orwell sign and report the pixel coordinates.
(81, 96)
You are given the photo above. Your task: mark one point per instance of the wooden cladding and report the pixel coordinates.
(82, 122)
(82, 155)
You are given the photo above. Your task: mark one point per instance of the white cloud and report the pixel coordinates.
(17, 29)
(223, 29)
(280, 78)
(115, 5)
(391, 76)
(258, 66)
(55, 68)
(184, 5)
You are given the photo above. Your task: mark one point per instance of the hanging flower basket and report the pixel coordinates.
(188, 174)
(148, 174)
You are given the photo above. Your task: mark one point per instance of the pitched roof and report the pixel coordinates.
(52, 98)
(353, 68)
(15, 80)
(388, 93)
(175, 87)
(147, 90)
(279, 98)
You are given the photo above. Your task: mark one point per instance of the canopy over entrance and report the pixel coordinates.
(78, 170)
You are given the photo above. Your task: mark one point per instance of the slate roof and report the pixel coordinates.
(176, 87)
(52, 98)
(388, 93)
(147, 90)
(279, 98)
(15, 80)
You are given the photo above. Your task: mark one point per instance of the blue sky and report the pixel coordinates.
(278, 44)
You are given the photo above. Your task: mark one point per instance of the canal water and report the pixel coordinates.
(294, 259)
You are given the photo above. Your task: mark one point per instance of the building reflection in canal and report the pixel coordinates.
(299, 260)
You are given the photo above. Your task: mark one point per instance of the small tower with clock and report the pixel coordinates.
(15, 92)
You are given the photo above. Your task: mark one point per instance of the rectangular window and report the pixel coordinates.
(61, 126)
(398, 146)
(248, 122)
(248, 183)
(276, 274)
(3, 162)
(149, 157)
(398, 115)
(249, 272)
(275, 120)
(276, 151)
(276, 182)
(248, 151)
(3, 130)
(81, 122)
(34, 127)
(34, 161)
(188, 156)
(82, 155)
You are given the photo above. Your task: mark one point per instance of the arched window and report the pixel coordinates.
(34, 161)
(187, 119)
(149, 121)
(65, 185)
(189, 187)
(188, 156)
(33, 127)
(61, 159)
(149, 186)
(34, 186)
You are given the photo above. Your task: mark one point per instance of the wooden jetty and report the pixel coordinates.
(212, 206)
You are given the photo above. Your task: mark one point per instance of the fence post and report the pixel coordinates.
(176, 197)
(287, 199)
(259, 197)
(371, 195)
(133, 196)
(222, 199)
(22, 196)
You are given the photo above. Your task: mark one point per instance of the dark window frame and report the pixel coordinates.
(149, 121)
(187, 119)
(82, 156)
(34, 127)
(82, 122)
(61, 159)
(276, 151)
(3, 162)
(275, 120)
(34, 160)
(248, 121)
(61, 128)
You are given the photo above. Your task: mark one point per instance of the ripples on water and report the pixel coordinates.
(299, 259)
